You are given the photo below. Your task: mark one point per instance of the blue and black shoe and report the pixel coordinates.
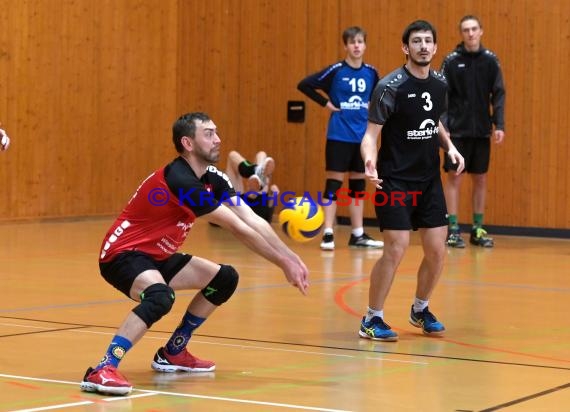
(427, 321)
(454, 238)
(377, 329)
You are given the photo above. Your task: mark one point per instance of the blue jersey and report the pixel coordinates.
(348, 89)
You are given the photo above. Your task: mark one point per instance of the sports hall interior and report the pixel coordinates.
(89, 90)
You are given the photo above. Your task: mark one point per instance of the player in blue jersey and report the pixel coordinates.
(348, 85)
(405, 108)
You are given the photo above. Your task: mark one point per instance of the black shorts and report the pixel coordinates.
(260, 205)
(125, 267)
(403, 205)
(475, 151)
(343, 157)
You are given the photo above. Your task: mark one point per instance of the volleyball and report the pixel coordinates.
(301, 219)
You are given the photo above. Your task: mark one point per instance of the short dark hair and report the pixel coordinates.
(418, 25)
(185, 125)
(352, 32)
(470, 17)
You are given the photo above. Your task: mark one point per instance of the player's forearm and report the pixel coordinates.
(368, 149)
(266, 231)
(444, 138)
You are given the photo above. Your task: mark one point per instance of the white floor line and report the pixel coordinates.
(145, 392)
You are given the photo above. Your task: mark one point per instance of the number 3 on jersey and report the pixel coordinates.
(428, 106)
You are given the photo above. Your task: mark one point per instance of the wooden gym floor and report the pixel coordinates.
(506, 311)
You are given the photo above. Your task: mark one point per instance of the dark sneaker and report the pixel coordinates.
(328, 242)
(377, 329)
(427, 321)
(107, 381)
(454, 238)
(184, 361)
(479, 238)
(365, 241)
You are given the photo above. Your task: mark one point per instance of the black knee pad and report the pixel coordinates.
(222, 286)
(156, 301)
(356, 188)
(331, 187)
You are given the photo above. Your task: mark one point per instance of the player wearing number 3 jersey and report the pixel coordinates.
(405, 109)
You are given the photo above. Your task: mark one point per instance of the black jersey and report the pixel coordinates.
(475, 85)
(409, 110)
(162, 211)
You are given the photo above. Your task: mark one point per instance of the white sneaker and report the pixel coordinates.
(365, 241)
(265, 170)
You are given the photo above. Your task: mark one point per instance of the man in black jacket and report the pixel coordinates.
(476, 85)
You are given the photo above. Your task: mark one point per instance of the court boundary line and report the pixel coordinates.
(419, 355)
(148, 392)
(526, 398)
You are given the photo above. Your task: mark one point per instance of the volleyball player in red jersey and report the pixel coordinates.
(139, 253)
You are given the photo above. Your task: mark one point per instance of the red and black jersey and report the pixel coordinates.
(409, 110)
(162, 211)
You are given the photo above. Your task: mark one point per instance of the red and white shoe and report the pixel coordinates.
(184, 361)
(106, 380)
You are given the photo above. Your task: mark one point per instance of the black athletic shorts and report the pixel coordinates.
(343, 157)
(403, 205)
(125, 267)
(475, 151)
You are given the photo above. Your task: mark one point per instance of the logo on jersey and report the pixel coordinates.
(426, 130)
(214, 169)
(185, 227)
(354, 103)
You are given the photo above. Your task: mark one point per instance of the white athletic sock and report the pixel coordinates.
(328, 231)
(370, 313)
(358, 231)
(420, 305)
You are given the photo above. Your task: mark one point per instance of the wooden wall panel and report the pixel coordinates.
(323, 47)
(208, 58)
(90, 87)
(89, 90)
(529, 177)
(272, 45)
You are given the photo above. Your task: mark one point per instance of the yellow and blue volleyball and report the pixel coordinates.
(301, 219)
